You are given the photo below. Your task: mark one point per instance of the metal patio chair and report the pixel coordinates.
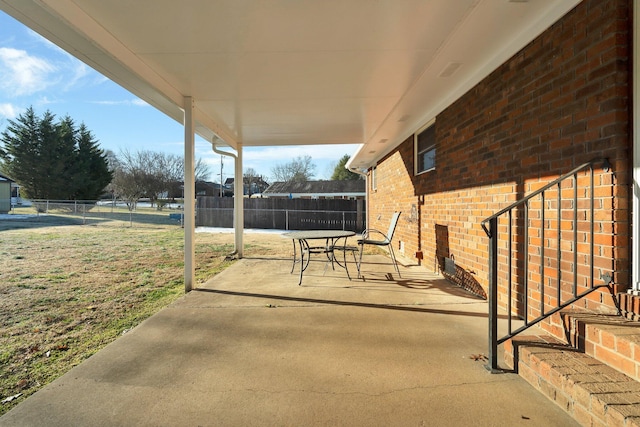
(344, 248)
(378, 238)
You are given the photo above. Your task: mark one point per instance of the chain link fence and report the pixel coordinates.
(115, 212)
(103, 212)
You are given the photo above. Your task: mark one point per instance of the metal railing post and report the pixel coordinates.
(493, 295)
(567, 222)
(575, 234)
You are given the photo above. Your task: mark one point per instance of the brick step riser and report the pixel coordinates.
(588, 390)
(612, 340)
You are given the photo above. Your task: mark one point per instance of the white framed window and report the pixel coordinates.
(425, 149)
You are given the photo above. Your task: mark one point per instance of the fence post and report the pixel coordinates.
(286, 219)
(493, 295)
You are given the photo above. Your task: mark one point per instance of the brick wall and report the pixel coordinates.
(561, 101)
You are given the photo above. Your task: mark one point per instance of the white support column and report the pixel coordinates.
(635, 118)
(189, 194)
(238, 203)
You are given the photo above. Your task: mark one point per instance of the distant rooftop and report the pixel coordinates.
(5, 178)
(317, 187)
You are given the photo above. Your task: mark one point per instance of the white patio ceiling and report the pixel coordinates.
(295, 72)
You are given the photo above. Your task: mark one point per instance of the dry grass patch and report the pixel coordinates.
(68, 290)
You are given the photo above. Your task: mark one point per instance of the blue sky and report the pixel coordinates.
(35, 72)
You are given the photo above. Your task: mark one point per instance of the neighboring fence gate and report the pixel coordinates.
(284, 214)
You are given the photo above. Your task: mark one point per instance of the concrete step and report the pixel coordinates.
(589, 390)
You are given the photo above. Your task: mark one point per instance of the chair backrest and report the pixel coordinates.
(392, 226)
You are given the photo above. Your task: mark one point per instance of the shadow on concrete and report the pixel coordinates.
(344, 303)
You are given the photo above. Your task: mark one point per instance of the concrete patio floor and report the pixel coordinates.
(251, 348)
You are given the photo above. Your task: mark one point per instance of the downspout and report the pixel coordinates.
(238, 200)
(358, 171)
(635, 125)
(219, 151)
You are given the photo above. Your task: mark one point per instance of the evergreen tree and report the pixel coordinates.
(341, 173)
(53, 160)
(20, 152)
(62, 154)
(92, 166)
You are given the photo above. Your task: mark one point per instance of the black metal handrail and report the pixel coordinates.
(492, 233)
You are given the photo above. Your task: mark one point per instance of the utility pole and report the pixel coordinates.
(221, 167)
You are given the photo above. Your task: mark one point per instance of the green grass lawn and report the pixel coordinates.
(68, 289)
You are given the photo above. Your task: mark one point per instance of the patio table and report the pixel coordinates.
(330, 237)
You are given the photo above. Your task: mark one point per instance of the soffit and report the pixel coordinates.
(295, 72)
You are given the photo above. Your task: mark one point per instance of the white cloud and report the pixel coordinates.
(23, 74)
(139, 102)
(9, 111)
(42, 101)
(135, 102)
(78, 72)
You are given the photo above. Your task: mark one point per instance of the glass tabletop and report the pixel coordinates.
(318, 234)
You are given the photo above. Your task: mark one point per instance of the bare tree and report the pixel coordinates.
(128, 179)
(175, 165)
(300, 169)
(150, 174)
(254, 181)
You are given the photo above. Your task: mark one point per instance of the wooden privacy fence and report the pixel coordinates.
(284, 214)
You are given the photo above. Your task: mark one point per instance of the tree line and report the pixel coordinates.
(302, 169)
(58, 160)
(149, 174)
(53, 159)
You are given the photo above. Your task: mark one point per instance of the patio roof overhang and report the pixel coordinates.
(245, 73)
(295, 72)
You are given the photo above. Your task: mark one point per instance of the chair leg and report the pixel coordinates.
(355, 261)
(359, 263)
(344, 260)
(295, 256)
(393, 258)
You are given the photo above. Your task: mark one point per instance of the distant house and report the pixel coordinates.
(350, 190)
(205, 188)
(5, 194)
(251, 185)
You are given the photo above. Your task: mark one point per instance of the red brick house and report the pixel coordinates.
(462, 109)
(563, 101)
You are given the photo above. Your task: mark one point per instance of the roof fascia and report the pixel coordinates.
(83, 37)
(511, 47)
